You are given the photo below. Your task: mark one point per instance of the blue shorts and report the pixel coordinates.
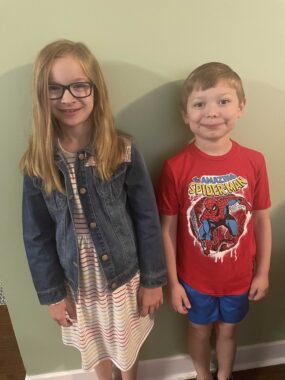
(207, 309)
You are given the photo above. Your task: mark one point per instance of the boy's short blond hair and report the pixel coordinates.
(207, 76)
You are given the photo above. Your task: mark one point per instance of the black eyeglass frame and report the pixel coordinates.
(68, 87)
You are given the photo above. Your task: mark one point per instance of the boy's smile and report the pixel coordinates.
(212, 113)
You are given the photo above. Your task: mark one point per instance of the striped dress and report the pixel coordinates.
(108, 325)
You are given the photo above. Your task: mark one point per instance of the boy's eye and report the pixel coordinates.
(198, 105)
(224, 101)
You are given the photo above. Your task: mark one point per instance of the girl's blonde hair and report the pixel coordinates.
(105, 143)
(207, 76)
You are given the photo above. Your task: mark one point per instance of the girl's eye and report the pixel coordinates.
(80, 86)
(54, 87)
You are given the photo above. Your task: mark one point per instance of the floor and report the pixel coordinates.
(11, 365)
(276, 372)
(12, 368)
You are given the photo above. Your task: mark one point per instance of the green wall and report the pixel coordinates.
(145, 49)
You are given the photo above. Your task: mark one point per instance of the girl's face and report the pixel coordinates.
(70, 111)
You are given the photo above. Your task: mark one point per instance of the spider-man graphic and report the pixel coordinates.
(216, 225)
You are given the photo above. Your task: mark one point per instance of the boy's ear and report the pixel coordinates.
(184, 116)
(241, 106)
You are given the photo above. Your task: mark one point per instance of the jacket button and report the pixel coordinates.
(81, 156)
(114, 285)
(92, 225)
(82, 190)
(104, 257)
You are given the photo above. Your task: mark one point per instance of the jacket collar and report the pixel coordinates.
(58, 155)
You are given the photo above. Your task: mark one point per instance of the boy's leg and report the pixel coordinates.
(104, 370)
(200, 349)
(131, 374)
(233, 309)
(225, 348)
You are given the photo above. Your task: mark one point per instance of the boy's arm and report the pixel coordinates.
(262, 232)
(177, 294)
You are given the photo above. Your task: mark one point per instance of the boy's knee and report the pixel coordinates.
(200, 331)
(225, 330)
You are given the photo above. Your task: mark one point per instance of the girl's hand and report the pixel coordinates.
(178, 298)
(259, 287)
(149, 300)
(62, 312)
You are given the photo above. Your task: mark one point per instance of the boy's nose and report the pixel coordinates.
(211, 111)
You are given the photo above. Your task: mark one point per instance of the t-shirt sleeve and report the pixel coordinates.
(261, 192)
(166, 192)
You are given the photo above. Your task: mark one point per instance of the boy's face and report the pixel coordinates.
(212, 114)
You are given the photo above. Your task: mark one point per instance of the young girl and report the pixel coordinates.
(91, 229)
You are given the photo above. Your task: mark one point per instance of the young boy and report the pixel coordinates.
(213, 198)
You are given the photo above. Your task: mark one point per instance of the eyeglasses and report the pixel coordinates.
(77, 90)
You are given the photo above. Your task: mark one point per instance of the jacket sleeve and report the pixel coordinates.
(144, 214)
(40, 245)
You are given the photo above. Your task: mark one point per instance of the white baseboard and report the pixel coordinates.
(180, 367)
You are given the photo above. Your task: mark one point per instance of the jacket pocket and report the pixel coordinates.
(56, 200)
(112, 189)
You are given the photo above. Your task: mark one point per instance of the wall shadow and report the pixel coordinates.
(153, 118)
(265, 322)
(262, 128)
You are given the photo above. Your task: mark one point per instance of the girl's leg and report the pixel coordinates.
(200, 349)
(116, 373)
(104, 370)
(225, 348)
(131, 374)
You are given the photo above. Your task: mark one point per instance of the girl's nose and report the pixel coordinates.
(67, 97)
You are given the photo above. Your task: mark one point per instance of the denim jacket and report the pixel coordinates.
(123, 222)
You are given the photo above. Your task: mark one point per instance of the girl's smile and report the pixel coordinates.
(69, 110)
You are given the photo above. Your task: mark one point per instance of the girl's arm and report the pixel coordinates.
(149, 300)
(262, 232)
(63, 312)
(40, 245)
(177, 294)
(143, 210)
(146, 223)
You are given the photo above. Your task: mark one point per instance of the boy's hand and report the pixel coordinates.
(258, 288)
(149, 300)
(62, 313)
(178, 298)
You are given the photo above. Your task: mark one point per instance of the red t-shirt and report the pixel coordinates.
(213, 197)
